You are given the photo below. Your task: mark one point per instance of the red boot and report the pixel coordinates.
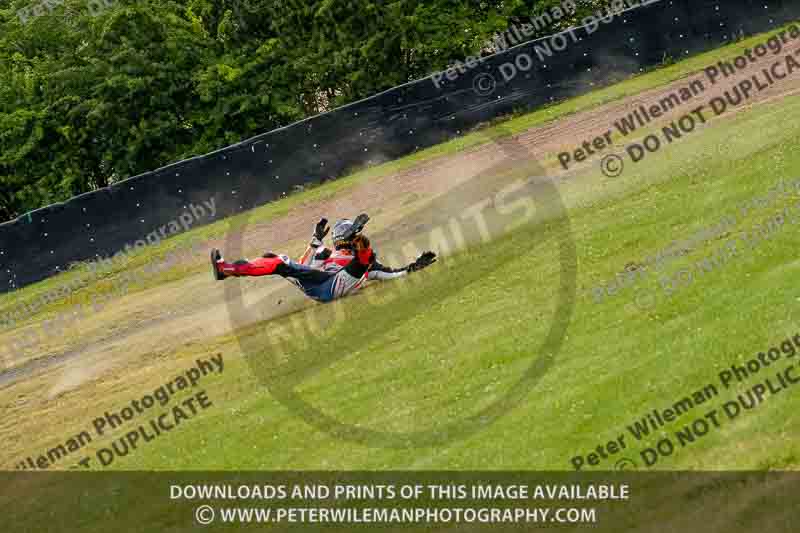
(216, 262)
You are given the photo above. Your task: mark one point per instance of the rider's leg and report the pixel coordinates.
(263, 266)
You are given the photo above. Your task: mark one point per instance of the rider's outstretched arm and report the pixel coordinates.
(383, 273)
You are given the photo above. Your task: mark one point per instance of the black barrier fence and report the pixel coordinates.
(734, 502)
(386, 126)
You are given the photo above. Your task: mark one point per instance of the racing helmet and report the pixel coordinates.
(340, 230)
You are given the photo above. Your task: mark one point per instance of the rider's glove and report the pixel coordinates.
(320, 231)
(423, 261)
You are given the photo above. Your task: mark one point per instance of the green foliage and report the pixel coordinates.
(93, 94)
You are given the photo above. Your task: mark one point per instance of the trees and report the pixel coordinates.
(91, 96)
